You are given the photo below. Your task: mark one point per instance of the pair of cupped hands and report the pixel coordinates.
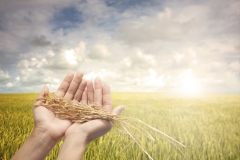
(77, 89)
(49, 129)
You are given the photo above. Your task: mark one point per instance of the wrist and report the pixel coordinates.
(77, 139)
(42, 134)
(36, 147)
(73, 147)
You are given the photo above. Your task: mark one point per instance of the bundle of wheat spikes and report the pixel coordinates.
(79, 112)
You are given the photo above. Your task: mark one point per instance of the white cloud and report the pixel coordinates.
(103, 74)
(99, 51)
(192, 52)
(153, 79)
(190, 12)
(161, 27)
(51, 80)
(39, 70)
(66, 59)
(70, 56)
(4, 76)
(145, 57)
(178, 57)
(9, 85)
(127, 62)
(50, 53)
(235, 66)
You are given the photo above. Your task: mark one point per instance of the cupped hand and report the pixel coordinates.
(93, 129)
(44, 119)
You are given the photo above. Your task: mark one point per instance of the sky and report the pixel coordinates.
(167, 46)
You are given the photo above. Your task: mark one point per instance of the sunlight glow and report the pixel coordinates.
(153, 79)
(189, 84)
(70, 56)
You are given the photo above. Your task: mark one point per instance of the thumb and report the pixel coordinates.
(118, 110)
(45, 91)
(42, 95)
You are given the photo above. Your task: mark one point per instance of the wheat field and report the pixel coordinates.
(208, 125)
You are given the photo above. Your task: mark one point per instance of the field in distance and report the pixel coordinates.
(208, 125)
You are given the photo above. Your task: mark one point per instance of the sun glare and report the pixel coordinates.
(70, 56)
(190, 85)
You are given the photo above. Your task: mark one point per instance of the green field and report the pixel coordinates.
(209, 126)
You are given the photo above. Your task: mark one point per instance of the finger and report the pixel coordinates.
(84, 97)
(74, 86)
(98, 91)
(118, 110)
(64, 85)
(107, 100)
(80, 90)
(42, 95)
(90, 92)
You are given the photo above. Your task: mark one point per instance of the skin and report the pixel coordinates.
(48, 129)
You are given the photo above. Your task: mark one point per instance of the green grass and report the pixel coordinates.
(209, 126)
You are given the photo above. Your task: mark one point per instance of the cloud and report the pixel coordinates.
(134, 46)
(4, 76)
(39, 69)
(152, 80)
(66, 59)
(101, 12)
(99, 51)
(178, 57)
(102, 73)
(9, 85)
(40, 41)
(126, 62)
(235, 66)
(149, 29)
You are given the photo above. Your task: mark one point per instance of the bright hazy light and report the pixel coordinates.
(189, 84)
(153, 79)
(70, 56)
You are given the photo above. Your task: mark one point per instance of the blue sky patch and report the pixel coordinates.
(128, 4)
(67, 18)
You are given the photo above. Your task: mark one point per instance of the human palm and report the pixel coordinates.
(94, 128)
(44, 119)
(76, 89)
